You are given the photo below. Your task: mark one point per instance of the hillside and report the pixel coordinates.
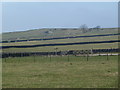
(53, 32)
(101, 35)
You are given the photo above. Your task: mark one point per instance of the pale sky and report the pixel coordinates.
(21, 16)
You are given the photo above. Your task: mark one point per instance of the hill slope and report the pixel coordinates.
(52, 33)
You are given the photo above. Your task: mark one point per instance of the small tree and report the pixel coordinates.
(97, 27)
(84, 28)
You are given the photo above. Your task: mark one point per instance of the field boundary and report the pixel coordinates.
(92, 52)
(60, 38)
(59, 44)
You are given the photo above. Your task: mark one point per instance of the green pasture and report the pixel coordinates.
(60, 72)
(70, 40)
(60, 33)
(40, 33)
(63, 48)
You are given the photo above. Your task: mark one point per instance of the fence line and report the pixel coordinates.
(70, 52)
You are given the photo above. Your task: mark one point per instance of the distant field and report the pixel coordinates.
(60, 33)
(71, 40)
(41, 33)
(41, 72)
(63, 48)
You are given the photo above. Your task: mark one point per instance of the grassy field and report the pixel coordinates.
(71, 40)
(63, 48)
(40, 33)
(68, 47)
(60, 72)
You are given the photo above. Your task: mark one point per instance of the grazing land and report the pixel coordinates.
(60, 72)
(64, 48)
(54, 32)
(67, 71)
(46, 33)
(70, 40)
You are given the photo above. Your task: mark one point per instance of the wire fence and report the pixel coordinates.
(91, 52)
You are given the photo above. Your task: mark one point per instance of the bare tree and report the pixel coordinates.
(84, 28)
(97, 28)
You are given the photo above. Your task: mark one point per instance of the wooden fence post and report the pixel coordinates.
(68, 56)
(92, 51)
(50, 56)
(111, 51)
(5, 59)
(19, 57)
(87, 56)
(34, 58)
(107, 57)
(99, 53)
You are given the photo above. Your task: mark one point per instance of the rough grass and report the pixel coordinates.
(67, 47)
(58, 33)
(71, 40)
(60, 72)
(63, 48)
(39, 33)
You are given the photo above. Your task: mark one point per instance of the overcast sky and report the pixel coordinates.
(21, 16)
